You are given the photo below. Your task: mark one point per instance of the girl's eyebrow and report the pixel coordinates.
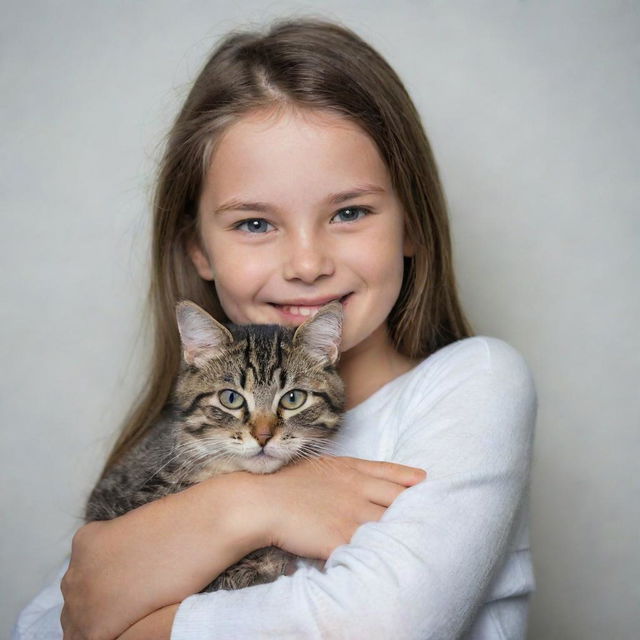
(333, 199)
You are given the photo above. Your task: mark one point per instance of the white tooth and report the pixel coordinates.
(301, 311)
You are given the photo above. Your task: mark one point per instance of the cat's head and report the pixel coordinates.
(255, 397)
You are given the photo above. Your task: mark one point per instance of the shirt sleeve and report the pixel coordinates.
(425, 568)
(40, 619)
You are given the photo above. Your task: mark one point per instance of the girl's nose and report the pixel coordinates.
(307, 259)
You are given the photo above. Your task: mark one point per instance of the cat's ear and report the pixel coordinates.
(202, 336)
(321, 335)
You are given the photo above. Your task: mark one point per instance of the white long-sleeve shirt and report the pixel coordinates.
(449, 558)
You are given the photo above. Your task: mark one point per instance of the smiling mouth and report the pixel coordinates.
(305, 311)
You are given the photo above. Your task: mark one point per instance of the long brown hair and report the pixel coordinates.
(304, 63)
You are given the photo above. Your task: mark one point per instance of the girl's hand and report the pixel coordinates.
(156, 626)
(81, 605)
(316, 505)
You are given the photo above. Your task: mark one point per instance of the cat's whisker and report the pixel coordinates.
(317, 445)
(331, 446)
(305, 455)
(196, 459)
(190, 452)
(169, 461)
(315, 448)
(204, 457)
(318, 463)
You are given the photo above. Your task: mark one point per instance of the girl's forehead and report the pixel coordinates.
(311, 151)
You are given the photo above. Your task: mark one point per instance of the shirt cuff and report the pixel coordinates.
(194, 619)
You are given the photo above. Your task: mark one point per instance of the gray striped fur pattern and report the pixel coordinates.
(247, 397)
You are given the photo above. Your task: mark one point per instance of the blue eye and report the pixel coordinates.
(260, 225)
(254, 225)
(350, 214)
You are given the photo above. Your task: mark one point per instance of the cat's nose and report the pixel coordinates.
(262, 438)
(262, 428)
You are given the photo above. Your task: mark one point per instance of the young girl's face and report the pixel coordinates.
(298, 209)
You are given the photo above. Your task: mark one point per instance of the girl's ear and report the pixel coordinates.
(199, 258)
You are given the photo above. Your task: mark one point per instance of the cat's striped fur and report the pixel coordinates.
(238, 389)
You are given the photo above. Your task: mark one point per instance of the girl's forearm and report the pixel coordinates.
(181, 542)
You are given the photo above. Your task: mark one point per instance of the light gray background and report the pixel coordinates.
(533, 111)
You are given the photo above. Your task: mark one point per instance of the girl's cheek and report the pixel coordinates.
(236, 258)
(378, 253)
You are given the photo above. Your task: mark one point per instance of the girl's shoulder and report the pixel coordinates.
(476, 354)
(477, 365)
(477, 390)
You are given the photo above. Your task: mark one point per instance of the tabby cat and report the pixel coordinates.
(247, 397)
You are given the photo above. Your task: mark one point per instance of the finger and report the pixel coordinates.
(390, 471)
(69, 631)
(382, 492)
(64, 582)
(64, 622)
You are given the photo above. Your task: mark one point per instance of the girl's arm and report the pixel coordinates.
(312, 510)
(155, 556)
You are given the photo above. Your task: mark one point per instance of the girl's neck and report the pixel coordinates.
(370, 365)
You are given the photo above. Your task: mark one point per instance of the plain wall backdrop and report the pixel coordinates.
(533, 112)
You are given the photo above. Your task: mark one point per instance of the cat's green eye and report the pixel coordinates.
(230, 399)
(293, 399)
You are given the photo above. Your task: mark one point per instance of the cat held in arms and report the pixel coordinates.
(247, 397)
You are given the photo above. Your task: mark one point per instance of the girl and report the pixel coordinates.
(296, 173)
